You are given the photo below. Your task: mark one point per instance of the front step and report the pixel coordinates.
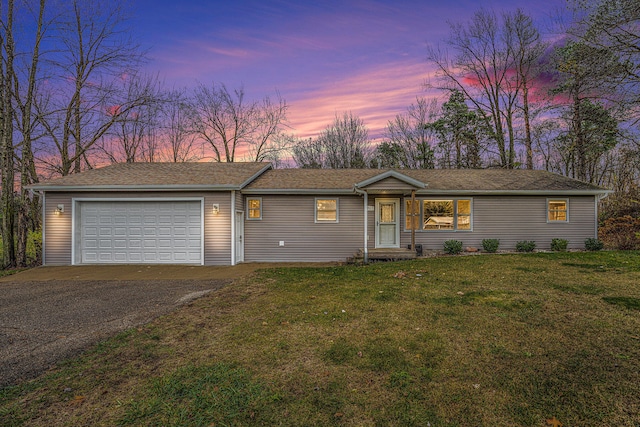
(383, 254)
(391, 254)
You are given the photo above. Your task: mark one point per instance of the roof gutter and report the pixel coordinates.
(515, 192)
(133, 187)
(300, 191)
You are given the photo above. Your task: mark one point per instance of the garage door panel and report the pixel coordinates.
(140, 232)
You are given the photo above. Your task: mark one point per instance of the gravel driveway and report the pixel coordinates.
(45, 321)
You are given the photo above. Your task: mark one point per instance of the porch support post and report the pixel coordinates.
(413, 220)
(365, 255)
(233, 227)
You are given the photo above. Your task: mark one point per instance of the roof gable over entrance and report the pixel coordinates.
(390, 181)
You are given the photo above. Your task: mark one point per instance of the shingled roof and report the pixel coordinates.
(311, 179)
(141, 176)
(498, 180)
(256, 178)
(436, 180)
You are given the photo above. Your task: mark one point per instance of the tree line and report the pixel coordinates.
(73, 96)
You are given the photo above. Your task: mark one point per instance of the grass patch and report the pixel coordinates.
(626, 302)
(218, 394)
(9, 272)
(452, 341)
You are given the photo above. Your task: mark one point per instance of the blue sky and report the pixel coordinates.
(323, 57)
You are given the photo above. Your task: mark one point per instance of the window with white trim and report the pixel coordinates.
(439, 214)
(326, 210)
(254, 208)
(557, 210)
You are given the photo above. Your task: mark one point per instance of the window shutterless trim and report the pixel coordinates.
(249, 209)
(566, 210)
(326, 221)
(455, 201)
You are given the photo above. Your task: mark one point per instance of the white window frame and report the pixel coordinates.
(455, 201)
(248, 216)
(326, 221)
(548, 210)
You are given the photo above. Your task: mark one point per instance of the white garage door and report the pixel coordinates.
(145, 232)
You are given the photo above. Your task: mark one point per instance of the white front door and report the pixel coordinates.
(387, 223)
(239, 237)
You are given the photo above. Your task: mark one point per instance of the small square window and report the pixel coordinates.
(326, 210)
(558, 210)
(254, 208)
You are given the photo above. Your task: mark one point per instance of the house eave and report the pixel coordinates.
(133, 188)
(300, 191)
(513, 192)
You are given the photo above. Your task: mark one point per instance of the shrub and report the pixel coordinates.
(490, 245)
(525, 246)
(559, 245)
(621, 233)
(592, 244)
(453, 247)
(34, 247)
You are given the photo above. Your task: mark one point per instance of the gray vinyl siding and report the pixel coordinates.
(57, 232)
(217, 228)
(292, 219)
(239, 202)
(512, 219)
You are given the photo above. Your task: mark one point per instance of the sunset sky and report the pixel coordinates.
(323, 57)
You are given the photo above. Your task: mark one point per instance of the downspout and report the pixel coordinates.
(233, 227)
(365, 250)
(598, 197)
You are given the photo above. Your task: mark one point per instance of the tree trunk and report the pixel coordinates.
(8, 164)
(527, 124)
(28, 213)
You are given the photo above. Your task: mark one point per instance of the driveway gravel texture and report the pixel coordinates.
(48, 314)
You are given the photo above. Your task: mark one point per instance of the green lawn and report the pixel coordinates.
(491, 340)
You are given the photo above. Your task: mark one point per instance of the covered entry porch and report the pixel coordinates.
(385, 216)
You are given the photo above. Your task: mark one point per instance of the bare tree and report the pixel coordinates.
(231, 125)
(309, 154)
(24, 96)
(524, 40)
(413, 136)
(180, 142)
(96, 53)
(342, 145)
(486, 52)
(267, 143)
(7, 159)
(133, 137)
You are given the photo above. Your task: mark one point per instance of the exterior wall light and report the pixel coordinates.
(59, 209)
(215, 209)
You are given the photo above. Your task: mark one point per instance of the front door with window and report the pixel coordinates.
(387, 223)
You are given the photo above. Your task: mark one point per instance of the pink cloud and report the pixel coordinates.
(376, 96)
